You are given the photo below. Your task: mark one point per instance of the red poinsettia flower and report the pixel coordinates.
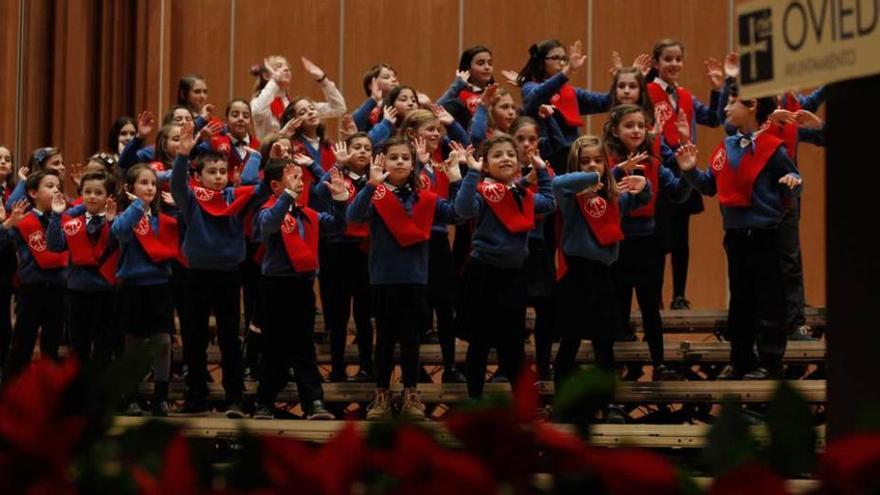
(632, 472)
(851, 464)
(290, 466)
(341, 460)
(37, 434)
(177, 474)
(751, 477)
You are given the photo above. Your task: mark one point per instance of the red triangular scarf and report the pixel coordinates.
(34, 236)
(157, 166)
(407, 230)
(223, 144)
(84, 253)
(735, 185)
(503, 205)
(603, 218)
(566, 102)
(159, 248)
(214, 202)
(277, 107)
(354, 229)
(666, 114)
(301, 251)
(439, 185)
(470, 99)
(652, 175)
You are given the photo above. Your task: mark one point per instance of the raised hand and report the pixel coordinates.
(715, 73)
(545, 111)
(303, 160)
(643, 63)
(683, 127)
(422, 150)
(536, 160)
(488, 95)
(616, 63)
(75, 171)
(207, 111)
(347, 127)
(276, 74)
(110, 209)
(473, 163)
(632, 184)
(389, 113)
(277, 151)
(376, 90)
(781, 116)
(211, 128)
(731, 65)
(146, 122)
(313, 70)
(632, 162)
(59, 204)
(576, 58)
(291, 127)
(423, 99)
(23, 173)
(19, 209)
(377, 170)
(464, 75)
(686, 156)
(336, 184)
(445, 117)
(791, 180)
(187, 142)
(340, 152)
(808, 119)
(167, 198)
(510, 77)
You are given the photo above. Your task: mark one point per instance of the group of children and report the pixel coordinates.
(467, 210)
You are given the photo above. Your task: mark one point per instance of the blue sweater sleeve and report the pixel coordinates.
(812, 101)
(467, 201)
(707, 115)
(122, 227)
(628, 202)
(333, 222)
(361, 116)
(590, 102)
(134, 153)
(359, 209)
(457, 133)
(479, 125)
(675, 188)
(813, 136)
(702, 181)
(444, 212)
(380, 133)
(16, 195)
(573, 182)
(55, 240)
(250, 174)
(536, 94)
(270, 219)
(452, 92)
(545, 202)
(179, 185)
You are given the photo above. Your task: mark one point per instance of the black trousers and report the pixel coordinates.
(757, 298)
(400, 311)
(635, 270)
(675, 224)
(5, 321)
(345, 290)
(40, 307)
(288, 328)
(93, 326)
(540, 279)
(218, 292)
(443, 288)
(493, 315)
(586, 308)
(250, 282)
(792, 267)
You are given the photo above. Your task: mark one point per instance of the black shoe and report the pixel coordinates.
(430, 338)
(614, 415)
(803, 333)
(729, 373)
(234, 411)
(758, 373)
(362, 376)
(634, 372)
(499, 377)
(451, 374)
(250, 374)
(663, 373)
(134, 410)
(337, 376)
(291, 376)
(545, 374)
(160, 408)
(193, 407)
(679, 302)
(317, 411)
(264, 411)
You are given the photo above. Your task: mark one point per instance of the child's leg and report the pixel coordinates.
(477, 322)
(80, 324)
(792, 268)
(162, 359)
(24, 335)
(52, 321)
(544, 331)
(741, 314)
(202, 290)
(414, 308)
(770, 301)
(227, 304)
(277, 337)
(5, 321)
(604, 351)
(566, 357)
(680, 223)
(299, 318)
(510, 320)
(105, 322)
(336, 291)
(645, 286)
(361, 306)
(386, 333)
(250, 280)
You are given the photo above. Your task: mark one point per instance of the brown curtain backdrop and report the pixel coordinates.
(87, 62)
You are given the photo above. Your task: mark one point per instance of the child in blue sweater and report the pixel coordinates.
(84, 232)
(290, 234)
(400, 214)
(42, 273)
(214, 245)
(591, 204)
(755, 180)
(494, 307)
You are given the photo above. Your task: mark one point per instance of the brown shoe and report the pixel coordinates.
(380, 408)
(412, 409)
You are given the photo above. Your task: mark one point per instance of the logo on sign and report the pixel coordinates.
(37, 241)
(596, 206)
(72, 227)
(494, 192)
(755, 33)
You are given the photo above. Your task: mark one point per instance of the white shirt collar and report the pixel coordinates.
(493, 181)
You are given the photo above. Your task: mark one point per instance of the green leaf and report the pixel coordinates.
(792, 449)
(687, 485)
(729, 442)
(582, 395)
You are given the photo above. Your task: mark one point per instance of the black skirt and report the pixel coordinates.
(540, 270)
(586, 301)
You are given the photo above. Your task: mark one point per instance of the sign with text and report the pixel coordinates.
(791, 44)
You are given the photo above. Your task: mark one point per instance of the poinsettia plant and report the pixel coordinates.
(54, 438)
